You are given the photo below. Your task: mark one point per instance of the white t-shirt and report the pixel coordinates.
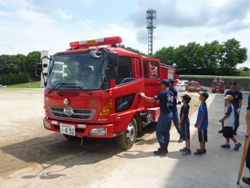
(229, 110)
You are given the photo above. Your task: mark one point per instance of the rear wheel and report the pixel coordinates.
(71, 137)
(128, 138)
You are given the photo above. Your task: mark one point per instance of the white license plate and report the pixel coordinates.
(67, 129)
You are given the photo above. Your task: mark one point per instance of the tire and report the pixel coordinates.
(71, 137)
(128, 138)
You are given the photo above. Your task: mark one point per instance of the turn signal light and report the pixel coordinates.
(107, 109)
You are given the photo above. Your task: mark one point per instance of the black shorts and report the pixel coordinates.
(202, 135)
(228, 132)
(185, 132)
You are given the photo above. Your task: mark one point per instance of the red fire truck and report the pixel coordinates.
(218, 85)
(92, 90)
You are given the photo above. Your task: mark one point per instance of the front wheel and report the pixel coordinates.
(127, 139)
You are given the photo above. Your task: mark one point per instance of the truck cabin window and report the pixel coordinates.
(217, 84)
(151, 70)
(75, 71)
(125, 71)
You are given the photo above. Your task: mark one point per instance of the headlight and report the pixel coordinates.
(47, 125)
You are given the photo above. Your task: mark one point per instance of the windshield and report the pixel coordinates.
(217, 84)
(191, 84)
(75, 71)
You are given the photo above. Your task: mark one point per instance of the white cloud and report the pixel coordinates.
(32, 16)
(64, 15)
(5, 13)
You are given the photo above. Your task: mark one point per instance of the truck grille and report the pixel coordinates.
(80, 114)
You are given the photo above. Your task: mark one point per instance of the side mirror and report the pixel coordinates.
(111, 73)
(38, 69)
(112, 59)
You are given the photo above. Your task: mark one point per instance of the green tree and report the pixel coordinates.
(231, 55)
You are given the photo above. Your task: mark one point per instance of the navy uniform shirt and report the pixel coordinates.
(185, 110)
(175, 96)
(165, 100)
(237, 95)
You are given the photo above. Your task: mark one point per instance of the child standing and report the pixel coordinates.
(184, 124)
(202, 123)
(228, 124)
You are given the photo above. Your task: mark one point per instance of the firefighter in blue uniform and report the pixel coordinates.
(165, 99)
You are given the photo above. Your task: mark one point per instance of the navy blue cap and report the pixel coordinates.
(171, 81)
(165, 82)
(233, 82)
(204, 94)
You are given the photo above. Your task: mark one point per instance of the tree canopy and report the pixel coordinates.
(18, 68)
(211, 58)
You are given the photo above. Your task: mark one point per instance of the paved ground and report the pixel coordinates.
(33, 157)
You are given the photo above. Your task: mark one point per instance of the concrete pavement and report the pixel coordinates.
(218, 168)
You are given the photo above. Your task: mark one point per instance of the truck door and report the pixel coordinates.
(152, 79)
(127, 86)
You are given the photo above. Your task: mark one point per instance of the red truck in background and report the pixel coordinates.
(218, 85)
(106, 103)
(193, 86)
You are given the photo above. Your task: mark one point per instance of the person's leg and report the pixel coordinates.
(234, 140)
(236, 120)
(160, 133)
(202, 145)
(167, 130)
(188, 144)
(245, 179)
(160, 124)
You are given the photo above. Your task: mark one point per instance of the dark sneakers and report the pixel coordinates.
(246, 180)
(200, 152)
(237, 146)
(186, 152)
(183, 149)
(226, 145)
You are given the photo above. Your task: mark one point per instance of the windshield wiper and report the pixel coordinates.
(57, 86)
(88, 92)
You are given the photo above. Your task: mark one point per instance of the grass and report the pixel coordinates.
(25, 85)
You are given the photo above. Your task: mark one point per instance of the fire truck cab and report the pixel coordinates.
(92, 90)
(218, 85)
(193, 86)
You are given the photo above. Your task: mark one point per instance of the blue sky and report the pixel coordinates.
(28, 25)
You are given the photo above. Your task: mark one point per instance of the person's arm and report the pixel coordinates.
(149, 99)
(240, 103)
(247, 134)
(248, 123)
(181, 120)
(225, 117)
